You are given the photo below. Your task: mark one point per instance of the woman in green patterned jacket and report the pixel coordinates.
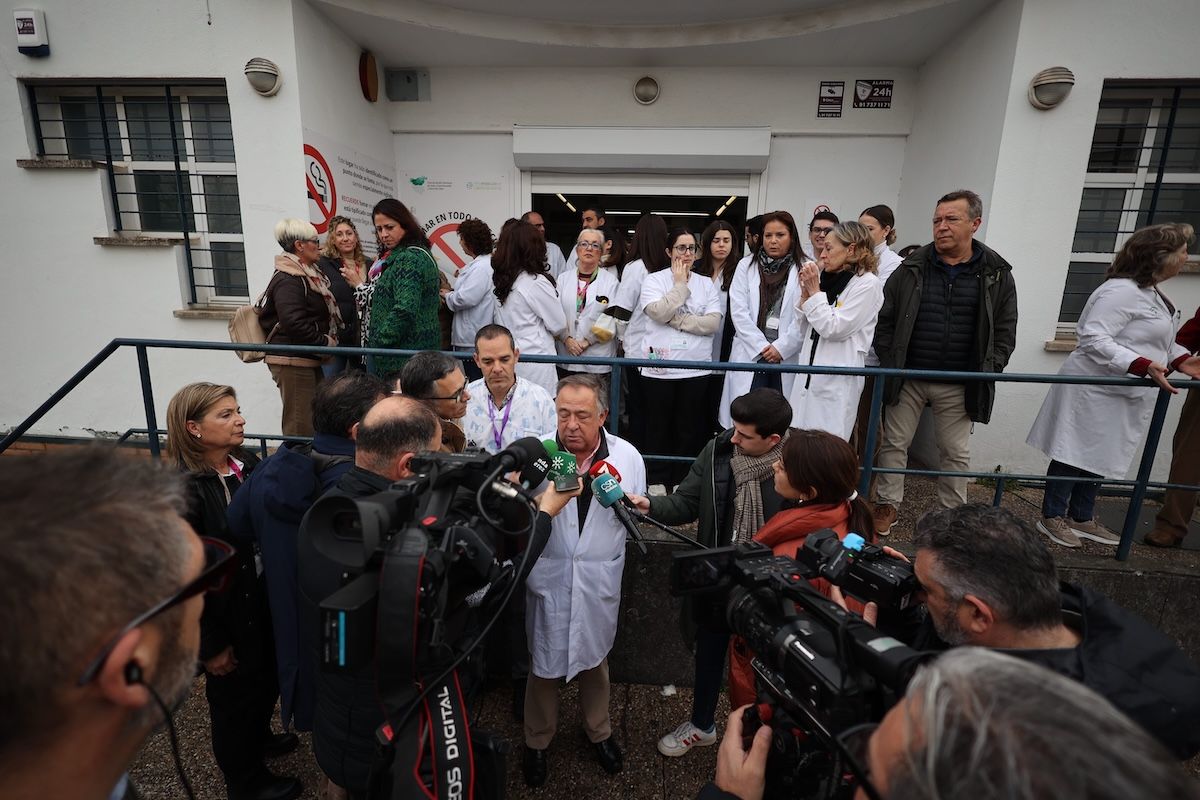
(404, 299)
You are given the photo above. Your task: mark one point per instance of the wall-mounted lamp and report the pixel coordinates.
(263, 76)
(1050, 87)
(645, 91)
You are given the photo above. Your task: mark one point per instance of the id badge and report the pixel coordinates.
(772, 328)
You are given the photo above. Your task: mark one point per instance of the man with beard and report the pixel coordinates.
(101, 589)
(989, 580)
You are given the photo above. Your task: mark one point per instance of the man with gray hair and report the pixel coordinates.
(980, 724)
(951, 307)
(438, 380)
(101, 590)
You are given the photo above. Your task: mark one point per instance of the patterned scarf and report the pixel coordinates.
(773, 275)
(317, 282)
(748, 474)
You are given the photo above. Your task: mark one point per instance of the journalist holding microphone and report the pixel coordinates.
(573, 592)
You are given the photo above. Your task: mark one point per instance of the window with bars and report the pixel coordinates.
(168, 151)
(1144, 168)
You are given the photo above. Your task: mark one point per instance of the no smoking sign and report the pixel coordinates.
(322, 195)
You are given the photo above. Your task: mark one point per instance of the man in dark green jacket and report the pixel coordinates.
(951, 306)
(730, 492)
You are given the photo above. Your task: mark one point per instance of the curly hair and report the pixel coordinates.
(476, 236)
(855, 233)
(1146, 254)
(330, 250)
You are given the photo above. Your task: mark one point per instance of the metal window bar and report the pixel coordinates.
(1140, 485)
(143, 133)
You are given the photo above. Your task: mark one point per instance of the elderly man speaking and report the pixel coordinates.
(574, 591)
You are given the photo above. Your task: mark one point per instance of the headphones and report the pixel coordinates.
(133, 672)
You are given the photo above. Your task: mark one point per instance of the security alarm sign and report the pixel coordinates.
(829, 99)
(873, 94)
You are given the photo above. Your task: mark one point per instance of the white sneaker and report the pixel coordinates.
(684, 738)
(1059, 531)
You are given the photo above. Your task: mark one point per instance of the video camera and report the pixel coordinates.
(413, 554)
(819, 669)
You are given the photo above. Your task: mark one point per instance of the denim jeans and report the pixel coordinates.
(1077, 498)
(710, 669)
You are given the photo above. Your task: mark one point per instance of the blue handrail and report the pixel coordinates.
(1139, 484)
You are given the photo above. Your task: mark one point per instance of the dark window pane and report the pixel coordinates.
(229, 269)
(1099, 221)
(150, 129)
(212, 131)
(1183, 155)
(221, 200)
(158, 195)
(1176, 202)
(83, 131)
(1082, 280)
(1120, 129)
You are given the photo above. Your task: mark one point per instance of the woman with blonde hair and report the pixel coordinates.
(205, 433)
(835, 320)
(298, 308)
(343, 256)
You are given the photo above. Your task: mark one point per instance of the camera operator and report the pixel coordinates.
(348, 709)
(101, 590)
(989, 580)
(730, 492)
(980, 724)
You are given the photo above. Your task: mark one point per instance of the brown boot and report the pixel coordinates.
(1163, 538)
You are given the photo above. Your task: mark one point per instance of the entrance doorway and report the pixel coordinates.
(561, 212)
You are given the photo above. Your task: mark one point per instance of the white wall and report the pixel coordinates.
(67, 297)
(1039, 175)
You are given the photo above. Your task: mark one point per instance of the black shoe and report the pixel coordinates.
(280, 744)
(518, 699)
(535, 767)
(268, 786)
(609, 756)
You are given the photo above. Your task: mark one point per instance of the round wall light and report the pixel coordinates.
(263, 76)
(1050, 87)
(645, 91)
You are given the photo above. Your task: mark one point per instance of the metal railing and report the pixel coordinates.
(1139, 485)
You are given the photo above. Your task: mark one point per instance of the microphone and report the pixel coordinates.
(608, 492)
(604, 468)
(562, 467)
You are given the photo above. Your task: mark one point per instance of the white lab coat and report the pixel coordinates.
(555, 259)
(888, 261)
(473, 301)
(830, 402)
(748, 340)
(579, 326)
(1099, 428)
(628, 295)
(573, 593)
(535, 316)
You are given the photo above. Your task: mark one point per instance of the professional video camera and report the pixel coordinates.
(413, 553)
(819, 669)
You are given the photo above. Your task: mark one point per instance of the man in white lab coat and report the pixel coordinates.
(573, 593)
(555, 259)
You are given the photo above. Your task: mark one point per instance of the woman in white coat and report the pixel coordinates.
(762, 303)
(471, 299)
(835, 317)
(1127, 328)
(647, 254)
(585, 292)
(528, 300)
(718, 260)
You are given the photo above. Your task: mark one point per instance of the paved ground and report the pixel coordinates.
(641, 714)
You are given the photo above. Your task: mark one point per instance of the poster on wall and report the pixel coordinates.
(829, 99)
(342, 181)
(441, 201)
(873, 94)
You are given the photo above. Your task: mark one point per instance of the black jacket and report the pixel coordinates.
(995, 335)
(348, 336)
(239, 615)
(1127, 661)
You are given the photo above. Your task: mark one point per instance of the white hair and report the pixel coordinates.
(289, 231)
(982, 724)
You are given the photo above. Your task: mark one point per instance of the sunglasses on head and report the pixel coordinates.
(219, 565)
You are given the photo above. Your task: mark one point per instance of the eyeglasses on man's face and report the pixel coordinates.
(219, 565)
(820, 231)
(456, 397)
(588, 245)
(685, 248)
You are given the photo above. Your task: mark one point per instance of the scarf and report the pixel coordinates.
(832, 284)
(317, 281)
(773, 275)
(748, 474)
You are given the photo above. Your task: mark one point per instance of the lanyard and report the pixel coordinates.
(498, 435)
(582, 283)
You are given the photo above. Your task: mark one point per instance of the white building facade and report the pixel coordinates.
(506, 107)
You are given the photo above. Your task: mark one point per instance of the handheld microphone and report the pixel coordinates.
(563, 466)
(608, 492)
(604, 468)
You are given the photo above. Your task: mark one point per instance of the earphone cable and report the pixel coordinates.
(187, 787)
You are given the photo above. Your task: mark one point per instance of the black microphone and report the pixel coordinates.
(608, 492)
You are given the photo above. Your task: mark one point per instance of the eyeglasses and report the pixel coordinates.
(853, 743)
(819, 231)
(219, 565)
(590, 245)
(456, 397)
(685, 248)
